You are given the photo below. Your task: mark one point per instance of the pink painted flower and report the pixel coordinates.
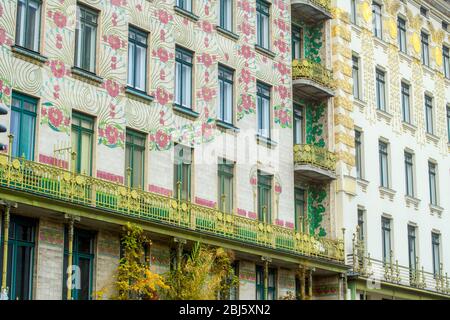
(207, 94)
(162, 96)
(283, 92)
(55, 117)
(162, 35)
(114, 42)
(112, 88)
(246, 52)
(163, 16)
(206, 59)
(3, 36)
(117, 3)
(58, 68)
(206, 130)
(207, 27)
(282, 25)
(7, 91)
(163, 55)
(43, 112)
(139, 7)
(162, 139)
(162, 75)
(282, 68)
(246, 76)
(111, 134)
(246, 28)
(245, 5)
(59, 19)
(281, 45)
(247, 102)
(253, 181)
(66, 121)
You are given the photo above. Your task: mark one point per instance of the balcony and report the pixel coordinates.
(19, 175)
(311, 11)
(315, 163)
(312, 79)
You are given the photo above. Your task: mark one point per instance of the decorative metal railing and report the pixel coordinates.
(308, 69)
(57, 183)
(314, 155)
(324, 4)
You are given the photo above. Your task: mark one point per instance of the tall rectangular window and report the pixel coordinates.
(23, 125)
(446, 61)
(358, 154)
(406, 103)
(300, 212)
(86, 39)
(82, 142)
(425, 48)
(82, 262)
(264, 197)
(299, 126)
(409, 174)
(361, 225)
(448, 123)
(28, 24)
(226, 14)
(20, 264)
(386, 238)
(436, 248)
(137, 59)
(401, 34)
(429, 114)
(381, 89)
(182, 172)
(297, 43)
(384, 169)
(183, 77)
(226, 79)
(271, 288)
(353, 11)
(262, 24)
(432, 183)
(134, 158)
(412, 254)
(226, 177)
(184, 4)
(376, 20)
(355, 76)
(263, 103)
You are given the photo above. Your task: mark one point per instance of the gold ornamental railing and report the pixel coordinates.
(316, 156)
(324, 4)
(308, 69)
(57, 183)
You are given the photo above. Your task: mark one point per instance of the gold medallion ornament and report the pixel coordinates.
(415, 40)
(392, 28)
(438, 56)
(366, 11)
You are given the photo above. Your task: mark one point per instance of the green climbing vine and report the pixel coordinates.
(314, 125)
(316, 209)
(313, 42)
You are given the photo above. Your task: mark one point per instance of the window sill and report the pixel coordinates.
(435, 209)
(138, 95)
(387, 192)
(265, 51)
(404, 56)
(227, 33)
(86, 75)
(28, 55)
(412, 201)
(185, 111)
(408, 127)
(356, 28)
(361, 104)
(226, 126)
(185, 13)
(431, 138)
(387, 117)
(265, 141)
(428, 69)
(380, 42)
(362, 183)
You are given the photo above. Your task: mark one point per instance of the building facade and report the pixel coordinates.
(233, 123)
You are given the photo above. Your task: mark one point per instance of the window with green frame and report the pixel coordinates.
(23, 125)
(137, 59)
(271, 287)
(300, 212)
(182, 171)
(297, 42)
(226, 14)
(226, 176)
(86, 38)
(134, 158)
(299, 124)
(28, 24)
(21, 245)
(262, 24)
(82, 262)
(82, 142)
(183, 77)
(264, 197)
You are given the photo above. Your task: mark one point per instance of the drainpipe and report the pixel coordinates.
(266, 276)
(5, 246)
(69, 260)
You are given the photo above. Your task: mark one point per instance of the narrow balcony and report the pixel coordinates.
(311, 11)
(23, 178)
(314, 162)
(312, 79)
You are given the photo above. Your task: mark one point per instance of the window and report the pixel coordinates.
(448, 122)
(425, 49)
(412, 247)
(358, 154)
(424, 11)
(353, 11)
(429, 114)
(435, 245)
(264, 197)
(183, 77)
(21, 244)
(300, 212)
(297, 42)
(361, 225)
(271, 288)
(182, 172)
(262, 23)
(384, 170)
(263, 96)
(28, 24)
(445, 25)
(432, 183)
(226, 94)
(137, 59)
(376, 20)
(299, 136)
(381, 94)
(82, 262)
(355, 76)
(226, 175)
(23, 125)
(134, 158)
(409, 174)
(226, 14)
(185, 4)
(446, 60)
(406, 103)
(386, 237)
(82, 142)
(401, 34)
(85, 39)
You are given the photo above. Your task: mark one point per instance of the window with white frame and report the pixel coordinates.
(28, 24)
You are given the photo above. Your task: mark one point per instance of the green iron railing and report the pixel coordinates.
(308, 69)
(316, 156)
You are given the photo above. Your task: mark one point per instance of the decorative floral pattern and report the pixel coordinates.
(56, 117)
